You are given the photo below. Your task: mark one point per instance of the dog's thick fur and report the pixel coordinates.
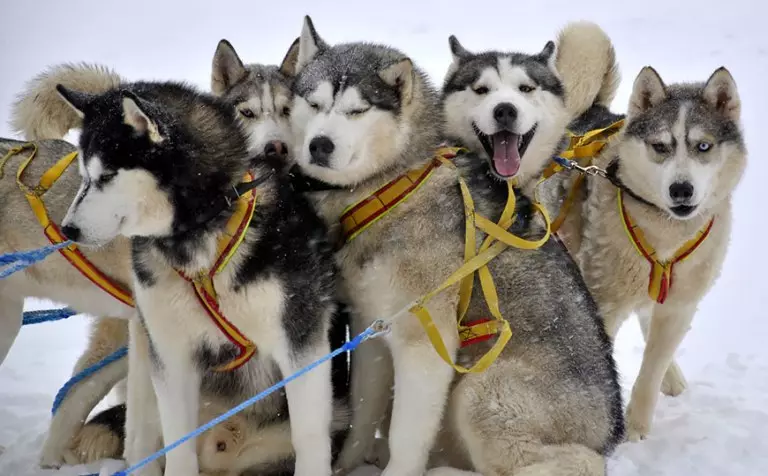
(656, 148)
(155, 158)
(550, 404)
(41, 113)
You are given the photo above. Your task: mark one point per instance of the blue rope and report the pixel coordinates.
(86, 372)
(48, 315)
(349, 346)
(18, 260)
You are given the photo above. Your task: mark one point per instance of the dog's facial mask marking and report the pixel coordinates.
(348, 124)
(495, 102)
(114, 200)
(679, 139)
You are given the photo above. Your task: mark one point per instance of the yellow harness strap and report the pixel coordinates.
(498, 240)
(582, 149)
(71, 253)
(660, 277)
(230, 241)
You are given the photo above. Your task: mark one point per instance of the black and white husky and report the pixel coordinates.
(160, 164)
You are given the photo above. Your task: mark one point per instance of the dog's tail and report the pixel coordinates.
(102, 437)
(39, 111)
(587, 65)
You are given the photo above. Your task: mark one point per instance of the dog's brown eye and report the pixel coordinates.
(221, 446)
(357, 112)
(314, 106)
(286, 111)
(524, 88)
(481, 90)
(660, 147)
(247, 113)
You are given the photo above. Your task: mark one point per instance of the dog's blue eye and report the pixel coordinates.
(481, 90)
(247, 113)
(704, 146)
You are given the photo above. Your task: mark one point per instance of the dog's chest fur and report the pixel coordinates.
(617, 273)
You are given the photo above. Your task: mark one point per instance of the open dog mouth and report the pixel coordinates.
(683, 210)
(505, 149)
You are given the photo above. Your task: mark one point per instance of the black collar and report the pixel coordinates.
(223, 202)
(301, 183)
(612, 174)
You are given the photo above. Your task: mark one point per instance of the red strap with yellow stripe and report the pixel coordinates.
(52, 232)
(233, 236)
(660, 277)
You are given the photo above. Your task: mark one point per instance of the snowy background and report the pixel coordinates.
(719, 426)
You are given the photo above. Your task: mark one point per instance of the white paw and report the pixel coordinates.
(637, 427)
(379, 455)
(52, 458)
(674, 382)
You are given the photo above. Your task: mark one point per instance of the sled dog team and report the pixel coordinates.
(230, 238)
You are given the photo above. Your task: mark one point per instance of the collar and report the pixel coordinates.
(660, 277)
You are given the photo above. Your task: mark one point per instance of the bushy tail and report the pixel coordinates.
(587, 64)
(40, 113)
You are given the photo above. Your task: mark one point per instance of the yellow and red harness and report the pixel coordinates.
(361, 215)
(583, 149)
(235, 232)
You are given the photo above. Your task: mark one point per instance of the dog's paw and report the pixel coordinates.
(52, 458)
(379, 454)
(352, 456)
(674, 382)
(637, 429)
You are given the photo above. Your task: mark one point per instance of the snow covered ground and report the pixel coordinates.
(718, 427)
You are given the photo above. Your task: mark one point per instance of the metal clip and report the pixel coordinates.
(380, 327)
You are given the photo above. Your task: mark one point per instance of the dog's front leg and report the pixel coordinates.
(11, 312)
(142, 431)
(176, 380)
(310, 405)
(669, 325)
(422, 381)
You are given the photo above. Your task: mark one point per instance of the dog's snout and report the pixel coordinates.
(276, 148)
(681, 191)
(505, 115)
(321, 148)
(70, 232)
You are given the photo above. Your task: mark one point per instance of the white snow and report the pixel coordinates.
(718, 426)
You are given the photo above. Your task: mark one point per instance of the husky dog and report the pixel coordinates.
(159, 162)
(261, 95)
(40, 112)
(56, 279)
(363, 115)
(512, 108)
(678, 161)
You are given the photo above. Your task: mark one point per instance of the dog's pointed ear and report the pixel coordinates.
(647, 91)
(136, 116)
(77, 100)
(721, 93)
(310, 44)
(548, 55)
(227, 68)
(288, 66)
(400, 75)
(458, 51)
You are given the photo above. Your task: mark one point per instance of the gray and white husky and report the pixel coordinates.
(678, 160)
(363, 115)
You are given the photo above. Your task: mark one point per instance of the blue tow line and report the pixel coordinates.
(85, 373)
(18, 260)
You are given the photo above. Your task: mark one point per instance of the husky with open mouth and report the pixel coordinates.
(512, 108)
(365, 116)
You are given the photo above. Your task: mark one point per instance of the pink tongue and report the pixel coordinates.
(506, 158)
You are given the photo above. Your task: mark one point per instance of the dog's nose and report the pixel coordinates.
(276, 148)
(681, 191)
(505, 115)
(321, 148)
(70, 232)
